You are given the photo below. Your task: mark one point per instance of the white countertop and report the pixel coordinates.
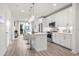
(39, 33)
(64, 33)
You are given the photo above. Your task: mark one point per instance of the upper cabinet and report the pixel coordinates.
(70, 16)
(59, 19)
(62, 18)
(48, 20)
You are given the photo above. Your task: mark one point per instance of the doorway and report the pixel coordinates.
(21, 28)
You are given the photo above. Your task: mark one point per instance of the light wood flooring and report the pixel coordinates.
(20, 48)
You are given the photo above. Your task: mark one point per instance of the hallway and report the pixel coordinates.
(20, 48)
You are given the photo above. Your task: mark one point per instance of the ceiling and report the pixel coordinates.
(23, 10)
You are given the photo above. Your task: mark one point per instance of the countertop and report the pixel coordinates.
(63, 33)
(39, 33)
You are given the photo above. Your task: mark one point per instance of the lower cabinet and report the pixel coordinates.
(68, 39)
(62, 39)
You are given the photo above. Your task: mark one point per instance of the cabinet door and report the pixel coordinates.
(58, 37)
(54, 37)
(68, 40)
(61, 38)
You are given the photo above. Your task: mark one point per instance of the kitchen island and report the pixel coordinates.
(39, 41)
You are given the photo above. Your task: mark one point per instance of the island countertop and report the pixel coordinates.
(39, 33)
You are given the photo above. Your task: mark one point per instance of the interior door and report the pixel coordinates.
(21, 28)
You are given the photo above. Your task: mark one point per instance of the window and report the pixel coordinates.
(28, 27)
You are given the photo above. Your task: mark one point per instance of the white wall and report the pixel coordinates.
(4, 30)
(75, 40)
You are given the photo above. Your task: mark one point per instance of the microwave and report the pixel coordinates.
(52, 24)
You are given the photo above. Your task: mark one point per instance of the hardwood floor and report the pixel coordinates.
(20, 48)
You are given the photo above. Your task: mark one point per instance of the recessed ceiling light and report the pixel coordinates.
(54, 4)
(22, 10)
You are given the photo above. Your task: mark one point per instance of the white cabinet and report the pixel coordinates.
(63, 17)
(48, 20)
(58, 38)
(68, 40)
(54, 37)
(62, 39)
(39, 41)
